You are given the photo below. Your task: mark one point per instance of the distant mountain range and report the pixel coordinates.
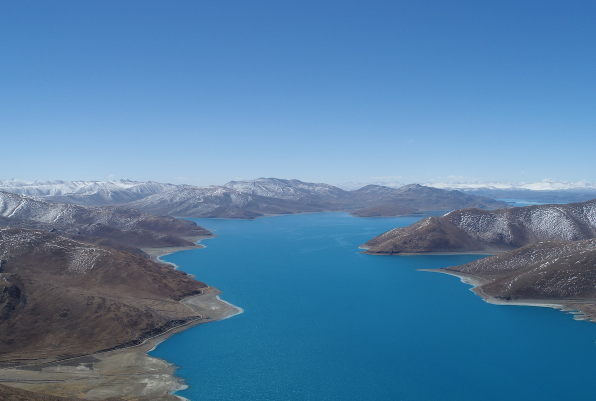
(251, 199)
(87, 193)
(544, 185)
(541, 191)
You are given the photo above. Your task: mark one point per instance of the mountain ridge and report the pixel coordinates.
(475, 230)
(265, 196)
(130, 227)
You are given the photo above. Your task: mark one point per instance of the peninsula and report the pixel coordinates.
(546, 254)
(556, 274)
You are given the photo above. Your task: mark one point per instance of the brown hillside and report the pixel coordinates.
(60, 298)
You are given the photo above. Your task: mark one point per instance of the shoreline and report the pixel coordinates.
(155, 254)
(580, 309)
(487, 253)
(127, 372)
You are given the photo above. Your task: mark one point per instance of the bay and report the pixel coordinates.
(323, 321)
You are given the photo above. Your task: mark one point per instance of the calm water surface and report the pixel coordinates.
(324, 322)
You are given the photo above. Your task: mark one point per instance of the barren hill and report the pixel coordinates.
(62, 298)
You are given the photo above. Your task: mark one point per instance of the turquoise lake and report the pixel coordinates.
(325, 322)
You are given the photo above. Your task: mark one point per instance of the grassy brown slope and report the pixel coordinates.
(432, 234)
(62, 298)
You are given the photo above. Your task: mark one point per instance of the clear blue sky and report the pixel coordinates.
(203, 92)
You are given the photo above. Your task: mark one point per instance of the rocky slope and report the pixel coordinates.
(474, 230)
(113, 224)
(547, 270)
(558, 274)
(61, 298)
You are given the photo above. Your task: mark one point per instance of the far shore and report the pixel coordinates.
(581, 309)
(128, 372)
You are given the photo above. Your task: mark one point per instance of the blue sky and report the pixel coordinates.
(203, 92)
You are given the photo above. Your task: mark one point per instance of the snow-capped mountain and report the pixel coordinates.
(128, 226)
(247, 199)
(89, 193)
(284, 189)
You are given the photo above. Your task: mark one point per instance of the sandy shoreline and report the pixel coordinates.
(581, 309)
(128, 372)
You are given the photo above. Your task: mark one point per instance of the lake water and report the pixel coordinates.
(325, 322)
(523, 202)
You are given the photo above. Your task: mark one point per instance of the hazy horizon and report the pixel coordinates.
(351, 185)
